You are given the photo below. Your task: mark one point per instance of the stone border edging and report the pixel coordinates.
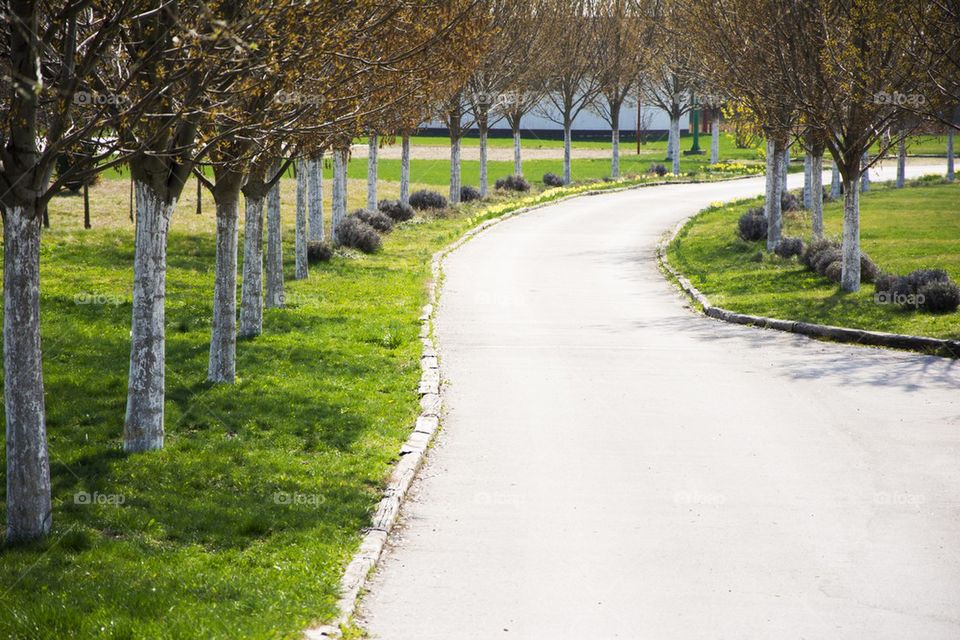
(921, 344)
(414, 450)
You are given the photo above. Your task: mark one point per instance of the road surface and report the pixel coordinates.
(615, 466)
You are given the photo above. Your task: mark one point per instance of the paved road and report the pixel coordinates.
(614, 466)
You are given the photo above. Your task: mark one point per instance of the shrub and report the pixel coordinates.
(319, 252)
(427, 200)
(940, 296)
(788, 201)
(398, 211)
(825, 258)
(658, 168)
(469, 194)
(814, 249)
(833, 271)
(354, 232)
(513, 183)
(869, 271)
(789, 247)
(552, 180)
(376, 219)
(753, 225)
(884, 283)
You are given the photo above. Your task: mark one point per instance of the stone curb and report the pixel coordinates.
(921, 344)
(414, 450)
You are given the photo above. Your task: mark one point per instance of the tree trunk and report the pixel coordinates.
(315, 196)
(816, 193)
(774, 214)
(950, 172)
(223, 335)
(251, 302)
(675, 153)
(339, 208)
(770, 178)
(835, 182)
(670, 131)
(715, 139)
(454, 169)
(484, 187)
(300, 238)
(517, 155)
(567, 143)
(373, 148)
(405, 169)
(850, 279)
(29, 514)
(807, 180)
(615, 142)
(901, 163)
(143, 425)
(274, 264)
(865, 175)
(784, 169)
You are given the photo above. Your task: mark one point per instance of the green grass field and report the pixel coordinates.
(902, 230)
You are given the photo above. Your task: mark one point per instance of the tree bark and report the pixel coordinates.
(315, 196)
(274, 264)
(901, 163)
(300, 237)
(774, 213)
(373, 149)
(143, 425)
(567, 143)
(816, 193)
(405, 169)
(484, 187)
(223, 334)
(950, 171)
(251, 301)
(454, 169)
(675, 152)
(517, 154)
(850, 278)
(715, 139)
(807, 180)
(784, 169)
(865, 175)
(339, 208)
(615, 142)
(29, 514)
(835, 181)
(770, 178)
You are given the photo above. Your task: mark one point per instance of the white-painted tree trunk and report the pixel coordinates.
(816, 193)
(484, 179)
(373, 149)
(615, 144)
(339, 206)
(223, 334)
(770, 176)
(517, 154)
(274, 263)
(315, 197)
(300, 231)
(567, 154)
(670, 141)
(865, 175)
(950, 159)
(835, 182)
(807, 180)
(405, 169)
(715, 139)
(455, 170)
(143, 424)
(675, 153)
(29, 514)
(774, 213)
(850, 279)
(784, 170)
(251, 300)
(901, 163)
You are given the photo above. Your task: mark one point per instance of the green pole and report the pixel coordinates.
(696, 128)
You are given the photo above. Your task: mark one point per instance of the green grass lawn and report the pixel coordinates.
(901, 230)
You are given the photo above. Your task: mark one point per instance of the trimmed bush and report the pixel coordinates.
(833, 271)
(789, 247)
(376, 219)
(940, 297)
(789, 202)
(658, 168)
(513, 183)
(469, 194)
(814, 249)
(319, 251)
(552, 180)
(825, 258)
(424, 199)
(869, 271)
(930, 289)
(357, 234)
(752, 225)
(397, 211)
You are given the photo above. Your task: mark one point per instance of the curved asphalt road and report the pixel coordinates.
(615, 466)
